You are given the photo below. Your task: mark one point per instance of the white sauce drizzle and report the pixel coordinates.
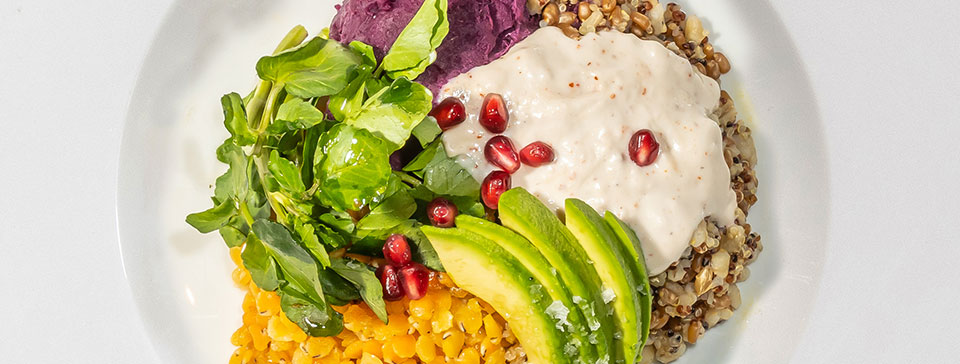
(586, 98)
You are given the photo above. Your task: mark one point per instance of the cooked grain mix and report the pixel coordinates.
(700, 290)
(450, 325)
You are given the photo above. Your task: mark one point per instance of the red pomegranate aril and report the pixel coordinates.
(449, 113)
(390, 280)
(441, 212)
(500, 152)
(536, 154)
(493, 113)
(397, 250)
(643, 148)
(416, 280)
(496, 183)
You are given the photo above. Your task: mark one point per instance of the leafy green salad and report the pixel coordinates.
(309, 175)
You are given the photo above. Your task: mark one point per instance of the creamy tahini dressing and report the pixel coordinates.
(586, 98)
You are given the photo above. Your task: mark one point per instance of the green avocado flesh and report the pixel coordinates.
(604, 248)
(525, 214)
(483, 268)
(538, 266)
(631, 249)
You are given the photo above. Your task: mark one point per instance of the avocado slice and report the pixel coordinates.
(529, 257)
(633, 253)
(602, 247)
(483, 268)
(525, 214)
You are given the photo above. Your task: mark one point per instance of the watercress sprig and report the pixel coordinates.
(309, 179)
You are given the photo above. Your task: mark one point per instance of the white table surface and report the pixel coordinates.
(887, 84)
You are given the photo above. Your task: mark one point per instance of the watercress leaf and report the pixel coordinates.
(315, 318)
(342, 224)
(444, 176)
(312, 243)
(232, 236)
(394, 111)
(427, 131)
(298, 267)
(233, 183)
(371, 246)
(295, 114)
(214, 217)
(262, 267)
(330, 237)
(235, 120)
(352, 167)
(337, 290)
(393, 211)
(365, 51)
(318, 68)
(366, 282)
(285, 172)
(374, 85)
(346, 103)
(424, 252)
(416, 46)
(425, 157)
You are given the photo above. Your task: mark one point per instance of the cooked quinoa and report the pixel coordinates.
(448, 325)
(700, 290)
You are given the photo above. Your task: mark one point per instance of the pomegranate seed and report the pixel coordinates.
(397, 250)
(500, 152)
(390, 280)
(536, 154)
(643, 148)
(441, 212)
(449, 113)
(416, 279)
(493, 113)
(496, 183)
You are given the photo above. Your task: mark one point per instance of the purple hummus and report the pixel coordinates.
(480, 31)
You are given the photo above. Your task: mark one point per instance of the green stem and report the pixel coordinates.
(245, 213)
(261, 163)
(293, 38)
(408, 179)
(269, 107)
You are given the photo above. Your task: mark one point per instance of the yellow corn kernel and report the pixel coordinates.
(240, 276)
(235, 256)
(268, 303)
(301, 357)
(333, 358)
(236, 357)
(320, 346)
(240, 337)
(486, 306)
(282, 345)
(369, 359)
(404, 345)
(495, 357)
(373, 347)
(422, 309)
(249, 303)
(281, 329)
(441, 300)
(470, 316)
(353, 350)
(469, 356)
(492, 328)
(347, 338)
(409, 361)
(442, 321)
(426, 348)
(389, 356)
(452, 344)
(259, 337)
(277, 357)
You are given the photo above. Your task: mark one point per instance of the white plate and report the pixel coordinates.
(181, 279)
